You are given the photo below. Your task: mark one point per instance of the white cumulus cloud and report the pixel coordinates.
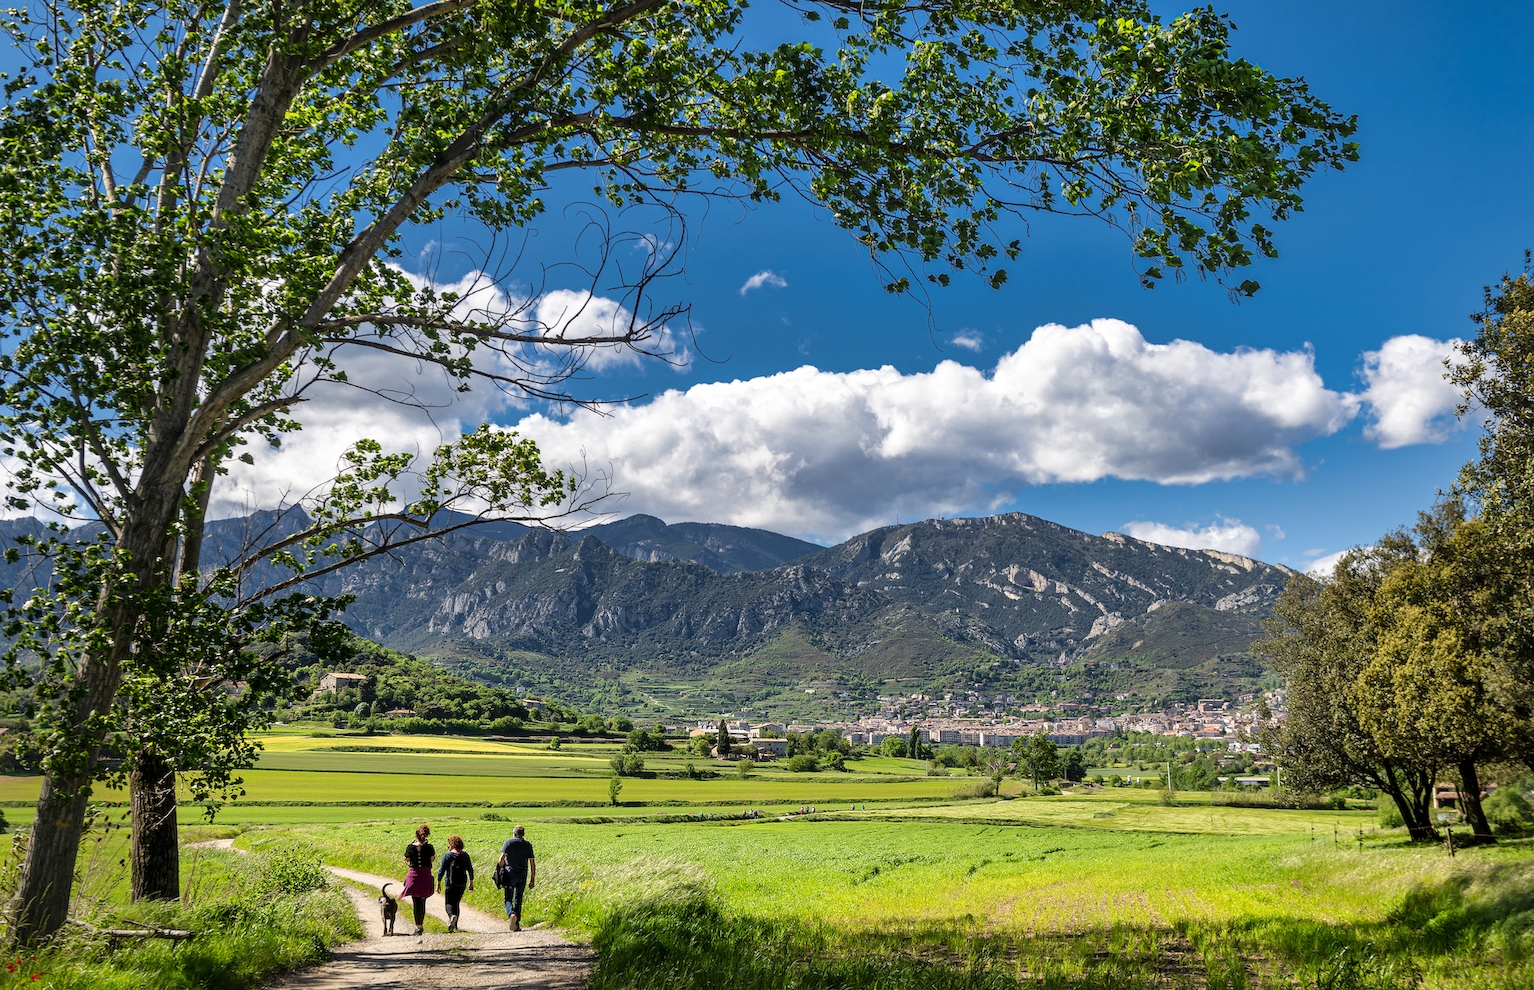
(764, 277)
(1409, 399)
(1229, 535)
(969, 340)
(1322, 567)
(414, 406)
(828, 454)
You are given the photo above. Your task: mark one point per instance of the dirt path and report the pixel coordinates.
(483, 955)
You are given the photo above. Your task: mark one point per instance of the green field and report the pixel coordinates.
(874, 903)
(894, 882)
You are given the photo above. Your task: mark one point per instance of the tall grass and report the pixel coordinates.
(254, 917)
(868, 905)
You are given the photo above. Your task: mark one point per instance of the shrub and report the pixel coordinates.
(628, 764)
(1508, 811)
(803, 763)
(836, 762)
(1388, 815)
(893, 746)
(506, 725)
(975, 789)
(286, 873)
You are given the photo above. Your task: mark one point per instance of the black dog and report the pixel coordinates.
(388, 907)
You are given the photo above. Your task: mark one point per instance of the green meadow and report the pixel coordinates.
(897, 880)
(841, 902)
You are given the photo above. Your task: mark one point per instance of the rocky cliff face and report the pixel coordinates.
(898, 601)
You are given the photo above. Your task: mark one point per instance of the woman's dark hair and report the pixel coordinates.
(421, 832)
(455, 842)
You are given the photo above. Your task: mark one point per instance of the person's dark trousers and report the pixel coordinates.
(453, 895)
(514, 891)
(419, 907)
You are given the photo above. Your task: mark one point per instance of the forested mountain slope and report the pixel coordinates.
(928, 603)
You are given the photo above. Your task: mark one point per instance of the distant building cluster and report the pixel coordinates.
(1210, 718)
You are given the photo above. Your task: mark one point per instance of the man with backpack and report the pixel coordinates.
(515, 873)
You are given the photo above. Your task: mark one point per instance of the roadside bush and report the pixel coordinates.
(803, 763)
(285, 873)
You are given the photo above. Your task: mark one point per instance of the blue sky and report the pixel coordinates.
(1401, 243)
(1398, 245)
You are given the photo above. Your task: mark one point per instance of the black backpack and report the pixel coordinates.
(457, 864)
(502, 876)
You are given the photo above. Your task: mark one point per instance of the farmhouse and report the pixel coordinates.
(340, 682)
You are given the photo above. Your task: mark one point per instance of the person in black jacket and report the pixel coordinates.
(521, 872)
(457, 873)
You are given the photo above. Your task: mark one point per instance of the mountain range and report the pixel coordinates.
(639, 612)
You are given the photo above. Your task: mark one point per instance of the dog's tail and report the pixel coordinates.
(385, 890)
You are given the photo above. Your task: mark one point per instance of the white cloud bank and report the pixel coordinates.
(1228, 535)
(1322, 567)
(827, 454)
(413, 406)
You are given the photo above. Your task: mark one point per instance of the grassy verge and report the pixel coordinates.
(971, 906)
(255, 917)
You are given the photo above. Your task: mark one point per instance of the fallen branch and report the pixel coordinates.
(176, 934)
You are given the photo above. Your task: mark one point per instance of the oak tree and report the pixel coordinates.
(1319, 640)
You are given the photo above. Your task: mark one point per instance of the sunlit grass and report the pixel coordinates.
(1020, 903)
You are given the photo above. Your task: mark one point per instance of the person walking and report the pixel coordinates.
(457, 872)
(521, 872)
(420, 856)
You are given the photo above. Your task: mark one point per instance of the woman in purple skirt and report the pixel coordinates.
(420, 857)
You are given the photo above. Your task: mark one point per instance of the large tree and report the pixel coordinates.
(202, 203)
(1319, 640)
(1496, 369)
(1444, 619)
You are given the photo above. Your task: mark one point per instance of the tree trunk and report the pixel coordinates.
(41, 904)
(1470, 801)
(1414, 804)
(1419, 824)
(156, 853)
